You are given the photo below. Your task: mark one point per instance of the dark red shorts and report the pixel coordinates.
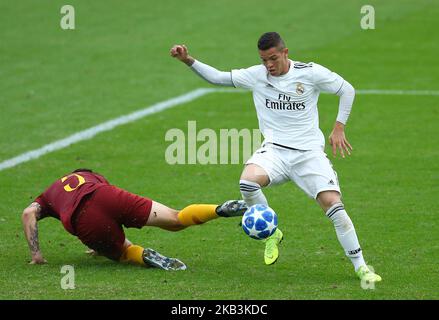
(99, 218)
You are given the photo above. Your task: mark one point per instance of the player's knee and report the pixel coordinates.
(255, 174)
(175, 223)
(328, 199)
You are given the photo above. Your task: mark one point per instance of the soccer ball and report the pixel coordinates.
(259, 221)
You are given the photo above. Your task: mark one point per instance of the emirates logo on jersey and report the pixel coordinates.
(284, 105)
(284, 102)
(300, 89)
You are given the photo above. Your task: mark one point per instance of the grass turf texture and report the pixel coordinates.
(116, 61)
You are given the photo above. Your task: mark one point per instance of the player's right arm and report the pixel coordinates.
(30, 218)
(208, 73)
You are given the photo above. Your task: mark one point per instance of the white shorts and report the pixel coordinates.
(311, 170)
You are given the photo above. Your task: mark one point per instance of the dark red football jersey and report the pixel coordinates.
(64, 195)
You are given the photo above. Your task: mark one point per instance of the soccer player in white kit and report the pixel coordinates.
(285, 94)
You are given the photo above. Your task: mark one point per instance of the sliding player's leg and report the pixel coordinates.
(134, 211)
(148, 257)
(107, 238)
(174, 220)
(170, 219)
(113, 208)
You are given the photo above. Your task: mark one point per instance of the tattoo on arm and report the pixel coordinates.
(31, 226)
(33, 239)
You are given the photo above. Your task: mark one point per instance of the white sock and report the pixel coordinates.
(251, 193)
(346, 234)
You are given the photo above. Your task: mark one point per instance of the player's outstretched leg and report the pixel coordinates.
(150, 258)
(157, 260)
(232, 208)
(201, 213)
(271, 253)
(173, 220)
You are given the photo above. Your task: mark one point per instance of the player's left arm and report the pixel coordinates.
(30, 218)
(337, 138)
(327, 81)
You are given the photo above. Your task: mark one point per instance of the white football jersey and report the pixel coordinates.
(286, 105)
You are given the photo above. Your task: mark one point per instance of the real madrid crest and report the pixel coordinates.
(300, 89)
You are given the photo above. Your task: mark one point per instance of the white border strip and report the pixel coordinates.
(155, 108)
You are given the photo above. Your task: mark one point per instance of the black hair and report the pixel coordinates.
(270, 40)
(82, 170)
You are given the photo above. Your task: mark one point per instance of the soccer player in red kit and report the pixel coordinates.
(95, 211)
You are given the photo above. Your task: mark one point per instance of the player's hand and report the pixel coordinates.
(38, 259)
(338, 141)
(180, 52)
(92, 252)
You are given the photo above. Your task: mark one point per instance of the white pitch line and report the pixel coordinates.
(105, 126)
(400, 92)
(155, 108)
(358, 91)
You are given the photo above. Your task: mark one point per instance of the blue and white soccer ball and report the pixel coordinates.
(259, 221)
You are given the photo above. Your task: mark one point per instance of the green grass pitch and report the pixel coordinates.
(56, 82)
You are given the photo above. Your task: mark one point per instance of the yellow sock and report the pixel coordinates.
(197, 214)
(133, 254)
